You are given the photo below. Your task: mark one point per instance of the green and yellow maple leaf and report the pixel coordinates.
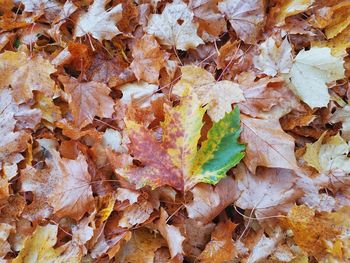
(175, 160)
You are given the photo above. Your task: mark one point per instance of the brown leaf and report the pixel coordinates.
(88, 99)
(221, 247)
(209, 201)
(148, 59)
(64, 185)
(275, 148)
(246, 17)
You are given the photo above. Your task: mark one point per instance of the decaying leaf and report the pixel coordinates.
(88, 99)
(275, 147)
(217, 95)
(64, 185)
(25, 74)
(274, 58)
(221, 247)
(246, 17)
(98, 22)
(174, 27)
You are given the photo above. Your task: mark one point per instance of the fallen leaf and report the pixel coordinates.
(274, 58)
(171, 234)
(64, 185)
(267, 190)
(209, 201)
(141, 247)
(275, 147)
(88, 99)
(217, 95)
(98, 22)
(178, 163)
(246, 17)
(289, 8)
(149, 59)
(26, 74)
(170, 31)
(310, 73)
(221, 248)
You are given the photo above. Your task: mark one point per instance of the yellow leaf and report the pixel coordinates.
(217, 95)
(25, 74)
(312, 152)
(39, 247)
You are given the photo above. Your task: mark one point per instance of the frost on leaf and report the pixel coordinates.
(174, 26)
(98, 22)
(310, 73)
(175, 161)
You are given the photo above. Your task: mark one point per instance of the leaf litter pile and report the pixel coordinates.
(174, 131)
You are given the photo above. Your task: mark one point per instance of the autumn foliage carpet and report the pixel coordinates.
(153, 131)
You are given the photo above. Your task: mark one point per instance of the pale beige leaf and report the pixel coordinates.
(167, 28)
(25, 74)
(217, 95)
(98, 22)
(274, 58)
(171, 234)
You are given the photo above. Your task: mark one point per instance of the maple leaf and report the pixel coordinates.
(246, 17)
(88, 99)
(221, 247)
(267, 190)
(217, 95)
(274, 58)
(343, 116)
(211, 22)
(141, 92)
(98, 22)
(289, 8)
(275, 147)
(64, 185)
(311, 233)
(148, 59)
(12, 142)
(170, 31)
(178, 163)
(39, 247)
(209, 201)
(266, 98)
(141, 247)
(171, 234)
(328, 156)
(26, 74)
(311, 71)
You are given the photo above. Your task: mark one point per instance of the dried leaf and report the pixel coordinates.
(275, 147)
(26, 74)
(88, 99)
(310, 73)
(174, 27)
(246, 17)
(98, 22)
